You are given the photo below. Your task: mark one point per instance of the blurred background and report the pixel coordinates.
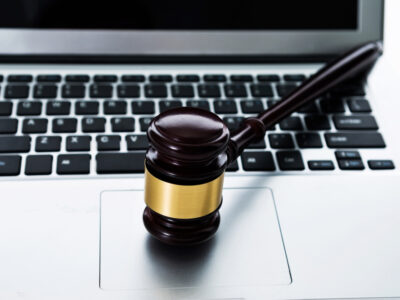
(392, 33)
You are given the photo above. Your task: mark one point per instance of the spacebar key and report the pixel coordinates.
(354, 140)
(117, 163)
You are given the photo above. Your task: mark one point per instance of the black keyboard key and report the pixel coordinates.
(93, 124)
(155, 90)
(349, 89)
(308, 140)
(235, 90)
(137, 142)
(42, 91)
(355, 140)
(347, 154)
(117, 163)
(73, 164)
(203, 104)
(225, 107)
(144, 123)
(233, 123)
(29, 108)
(351, 164)
(208, 91)
(128, 91)
(133, 78)
(105, 78)
(251, 106)
(310, 108)
(290, 160)
(16, 92)
(321, 165)
(285, 89)
(214, 77)
(48, 144)
(261, 90)
(332, 105)
(381, 164)
(34, 126)
(114, 107)
(143, 107)
(271, 103)
(268, 78)
(1, 78)
(64, 125)
(260, 144)
(188, 78)
(241, 78)
(101, 91)
(20, 78)
(160, 78)
(294, 77)
(281, 141)
(87, 108)
(349, 160)
(5, 108)
(317, 122)
(58, 108)
(108, 142)
(10, 165)
(359, 106)
(182, 91)
(48, 78)
(123, 124)
(77, 78)
(78, 143)
(38, 164)
(73, 91)
(15, 144)
(291, 123)
(166, 105)
(233, 167)
(257, 161)
(8, 125)
(355, 122)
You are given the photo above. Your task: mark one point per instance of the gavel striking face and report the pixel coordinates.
(190, 149)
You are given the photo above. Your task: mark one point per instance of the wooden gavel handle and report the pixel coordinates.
(344, 67)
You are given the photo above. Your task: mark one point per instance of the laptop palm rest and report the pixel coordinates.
(247, 249)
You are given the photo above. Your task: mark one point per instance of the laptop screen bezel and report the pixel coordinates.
(194, 43)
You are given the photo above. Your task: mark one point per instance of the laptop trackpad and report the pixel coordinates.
(247, 249)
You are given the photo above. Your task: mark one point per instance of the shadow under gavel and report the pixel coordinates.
(191, 148)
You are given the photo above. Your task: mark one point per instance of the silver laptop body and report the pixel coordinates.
(311, 213)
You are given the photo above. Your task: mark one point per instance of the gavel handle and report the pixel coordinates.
(342, 68)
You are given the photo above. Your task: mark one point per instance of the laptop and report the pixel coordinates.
(310, 212)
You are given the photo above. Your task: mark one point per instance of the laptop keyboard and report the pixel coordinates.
(81, 124)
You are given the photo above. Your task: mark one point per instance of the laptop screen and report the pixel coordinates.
(181, 15)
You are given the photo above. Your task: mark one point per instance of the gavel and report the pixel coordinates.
(190, 149)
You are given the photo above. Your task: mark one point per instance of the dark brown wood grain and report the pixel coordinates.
(346, 66)
(181, 232)
(192, 146)
(187, 146)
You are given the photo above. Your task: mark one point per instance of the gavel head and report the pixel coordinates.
(184, 173)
